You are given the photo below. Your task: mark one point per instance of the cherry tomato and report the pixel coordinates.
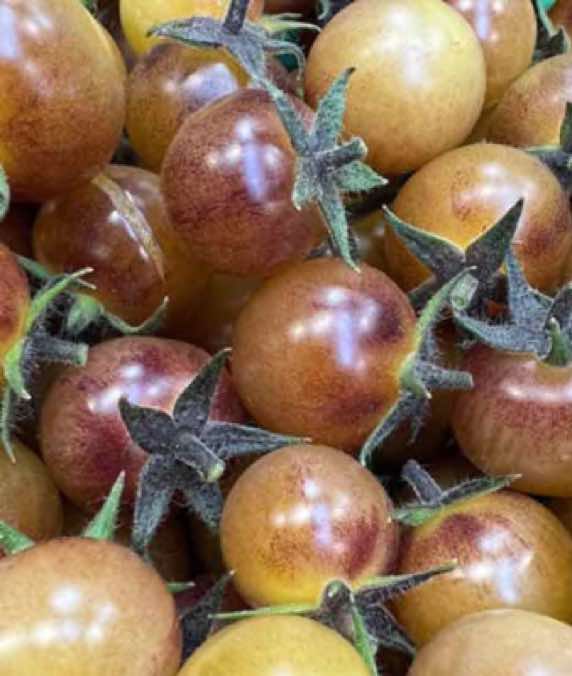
(511, 553)
(462, 193)
(289, 6)
(318, 349)
(532, 109)
(16, 229)
(235, 158)
(139, 16)
(498, 643)
(516, 420)
(82, 607)
(269, 646)
(117, 225)
(420, 78)
(63, 107)
(507, 33)
(369, 231)
(561, 15)
(84, 441)
(321, 517)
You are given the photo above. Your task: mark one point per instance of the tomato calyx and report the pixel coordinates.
(325, 168)
(445, 259)
(246, 41)
(558, 158)
(188, 453)
(421, 373)
(431, 498)
(550, 41)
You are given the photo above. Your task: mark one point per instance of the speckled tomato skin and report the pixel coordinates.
(465, 191)
(78, 607)
(318, 348)
(301, 517)
(511, 553)
(83, 439)
(517, 420)
(14, 302)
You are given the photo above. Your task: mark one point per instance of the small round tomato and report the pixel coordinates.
(118, 225)
(83, 438)
(461, 194)
(14, 303)
(516, 420)
(532, 109)
(321, 517)
(63, 107)
(369, 231)
(511, 553)
(79, 606)
(29, 500)
(318, 350)
(420, 78)
(138, 17)
(499, 643)
(269, 646)
(235, 158)
(507, 32)
(16, 229)
(561, 15)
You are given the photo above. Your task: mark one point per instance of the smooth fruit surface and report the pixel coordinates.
(14, 302)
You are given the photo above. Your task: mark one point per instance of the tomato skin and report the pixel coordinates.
(507, 33)
(14, 303)
(517, 419)
(561, 15)
(63, 118)
(498, 643)
(236, 160)
(318, 348)
(420, 78)
(79, 607)
(258, 647)
(83, 439)
(321, 517)
(462, 193)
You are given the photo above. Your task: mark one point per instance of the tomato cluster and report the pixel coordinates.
(285, 337)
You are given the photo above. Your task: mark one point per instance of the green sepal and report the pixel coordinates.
(285, 23)
(362, 641)
(560, 345)
(4, 194)
(104, 524)
(558, 158)
(179, 587)
(6, 415)
(12, 541)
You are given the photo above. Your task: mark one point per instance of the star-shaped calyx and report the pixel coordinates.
(549, 41)
(245, 40)
(325, 168)
(559, 157)
(446, 260)
(188, 453)
(537, 323)
(421, 372)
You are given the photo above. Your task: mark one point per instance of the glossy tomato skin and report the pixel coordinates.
(498, 643)
(258, 646)
(236, 160)
(84, 441)
(507, 33)
(532, 109)
(462, 193)
(517, 419)
(301, 517)
(14, 302)
(63, 112)
(139, 16)
(420, 78)
(16, 229)
(511, 553)
(318, 348)
(118, 225)
(78, 607)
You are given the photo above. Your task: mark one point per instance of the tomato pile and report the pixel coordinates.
(286, 338)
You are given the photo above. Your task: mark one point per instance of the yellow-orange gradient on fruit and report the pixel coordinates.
(301, 517)
(498, 643)
(420, 78)
(461, 194)
(511, 553)
(79, 607)
(272, 646)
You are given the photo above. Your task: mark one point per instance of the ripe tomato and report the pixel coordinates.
(268, 646)
(64, 105)
(318, 348)
(82, 607)
(117, 225)
(322, 517)
(498, 643)
(561, 15)
(83, 438)
(420, 78)
(236, 160)
(462, 193)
